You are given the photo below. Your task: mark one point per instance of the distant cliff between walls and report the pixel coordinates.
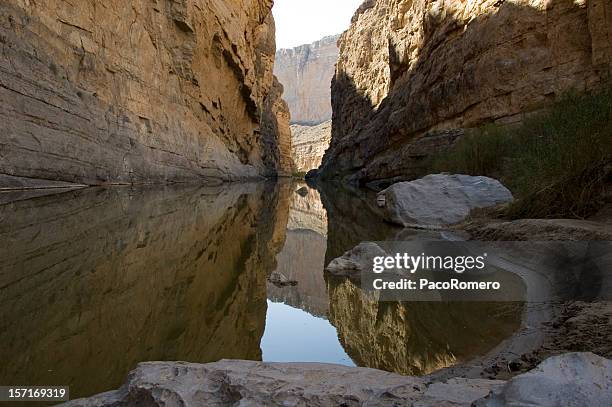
(309, 144)
(306, 73)
(139, 92)
(412, 75)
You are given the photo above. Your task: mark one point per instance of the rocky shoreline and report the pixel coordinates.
(571, 379)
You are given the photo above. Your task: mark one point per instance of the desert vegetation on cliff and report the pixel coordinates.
(558, 162)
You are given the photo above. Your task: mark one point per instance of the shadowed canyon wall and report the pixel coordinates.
(101, 279)
(412, 74)
(139, 91)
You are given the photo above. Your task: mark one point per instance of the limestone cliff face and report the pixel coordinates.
(306, 73)
(309, 144)
(412, 74)
(139, 91)
(276, 132)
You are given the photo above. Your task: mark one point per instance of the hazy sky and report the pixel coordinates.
(304, 21)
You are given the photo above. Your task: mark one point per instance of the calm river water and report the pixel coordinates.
(96, 280)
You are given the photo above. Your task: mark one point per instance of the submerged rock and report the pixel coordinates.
(303, 192)
(440, 200)
(279, 280)
(573, 379)
(355, 261)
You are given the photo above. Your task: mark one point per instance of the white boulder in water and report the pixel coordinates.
(440, 200)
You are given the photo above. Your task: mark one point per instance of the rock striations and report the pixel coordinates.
(145, 91)
(306, 72)
(412, 74)
(309, 144)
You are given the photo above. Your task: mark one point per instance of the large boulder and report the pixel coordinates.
(246, 383)
(573, 379)
(440, 200)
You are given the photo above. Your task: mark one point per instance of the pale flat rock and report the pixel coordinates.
(10, 182)
(573, 379)
(246, 383)
(355, 261)
(440, 200)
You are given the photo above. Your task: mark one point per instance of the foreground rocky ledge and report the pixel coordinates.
(570, 379)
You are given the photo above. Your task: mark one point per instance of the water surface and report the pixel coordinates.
(96, 280)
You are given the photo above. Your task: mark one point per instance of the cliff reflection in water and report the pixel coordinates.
(94, 281)
(407, 338)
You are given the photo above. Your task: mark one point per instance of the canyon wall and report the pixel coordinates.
(277, 152)
(309, 144)
(139, 91)
(306, 73)
(412, 75)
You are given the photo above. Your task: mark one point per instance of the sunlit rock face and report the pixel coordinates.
(277, 154)
(306, 73)
(416, 338)
(302, 257)
(411, 73)
(94, 281)
(309, 144)
(126, 92)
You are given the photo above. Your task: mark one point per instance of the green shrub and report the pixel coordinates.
(556, 163)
